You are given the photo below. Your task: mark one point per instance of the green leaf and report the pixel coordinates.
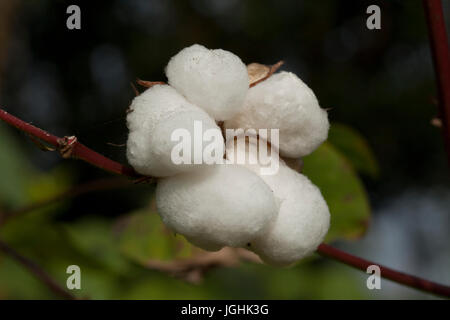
(145, 237)
(95, 238)
(22, 184)
(355, 147)
(342, 189)
(15, 170)
(45, 185)
(88, 243)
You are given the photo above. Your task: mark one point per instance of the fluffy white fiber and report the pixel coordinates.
(302, 222)
(248, 152)
(280, 216)
(222, 205)
(303, 218)
(154, 115)
(285, 102)
(215, 80)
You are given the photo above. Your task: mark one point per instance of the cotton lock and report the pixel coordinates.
(155, 115)
(302, 222)
(215, 80)
(285, 102)
(222, 205)
(303, 218)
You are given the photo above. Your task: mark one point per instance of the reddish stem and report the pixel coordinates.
(397, 276)
(70, 147)
(441, 58)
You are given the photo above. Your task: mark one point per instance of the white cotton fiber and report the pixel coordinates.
(303, 218)
(253, 153)
(257, 202)
(222, 205)
(215, 80)
(154, 116)
(302, 221)
(285, 102)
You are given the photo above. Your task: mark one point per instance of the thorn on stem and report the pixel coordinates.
(66, 145)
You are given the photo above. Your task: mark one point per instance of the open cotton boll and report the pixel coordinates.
(154, 117)
(302, 222)
(215, 80)
(222, 205)
(285, 102)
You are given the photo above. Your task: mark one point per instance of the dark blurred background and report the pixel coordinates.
(380, 82)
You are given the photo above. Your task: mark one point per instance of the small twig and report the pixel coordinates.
(441, 58)
(92, 186)
(397, 276)
(118, 145)
(194, 269)
(37, 272)
(135, 90)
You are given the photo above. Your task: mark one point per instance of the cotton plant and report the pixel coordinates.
(282, 216)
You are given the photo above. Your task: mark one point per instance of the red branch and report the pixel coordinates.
(441, 58)
(69, 147)
(86, 154)
(397, 276)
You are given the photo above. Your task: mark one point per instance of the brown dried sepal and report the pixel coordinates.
(194, 269)
(259, 72)
(148, 84)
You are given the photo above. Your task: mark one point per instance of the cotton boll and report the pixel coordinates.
(222, 205)
(154, 117)
(302, 222)
(284, 102)
(215, 80)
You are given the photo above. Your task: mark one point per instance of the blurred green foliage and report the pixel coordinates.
(142, 230)
(342, 189)
(355, 147)
(112, 252)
